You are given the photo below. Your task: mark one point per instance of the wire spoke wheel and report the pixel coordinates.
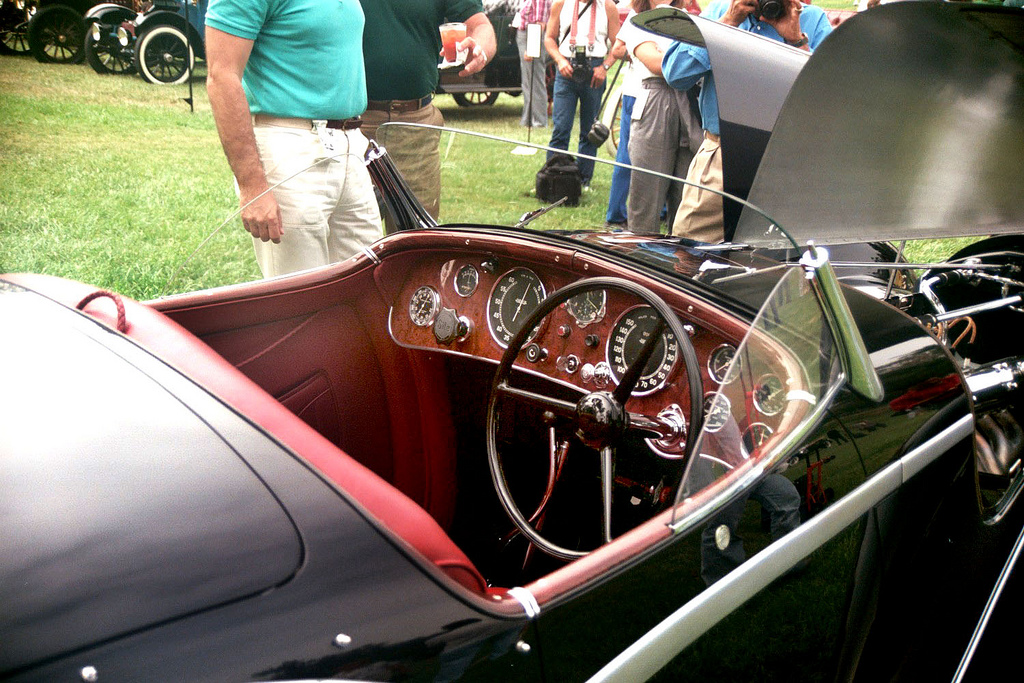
(475, 99)
(163, 56)
(57, 35)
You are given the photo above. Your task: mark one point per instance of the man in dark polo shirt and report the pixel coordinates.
(401, 50)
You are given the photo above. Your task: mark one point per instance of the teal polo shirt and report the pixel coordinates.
(307, 58)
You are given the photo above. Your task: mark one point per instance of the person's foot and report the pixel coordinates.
(612, 225)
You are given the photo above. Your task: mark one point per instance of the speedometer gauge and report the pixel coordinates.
(515, 296)
(631, 332)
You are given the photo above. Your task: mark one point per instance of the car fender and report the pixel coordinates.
(165, 18)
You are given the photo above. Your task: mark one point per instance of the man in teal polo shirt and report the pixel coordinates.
(402, 46)
(286, 85)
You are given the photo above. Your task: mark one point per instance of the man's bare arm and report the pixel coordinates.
(226, 56)
(480, 42)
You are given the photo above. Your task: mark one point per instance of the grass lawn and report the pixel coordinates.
(114, 182)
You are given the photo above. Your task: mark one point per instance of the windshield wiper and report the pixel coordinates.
(527, 217)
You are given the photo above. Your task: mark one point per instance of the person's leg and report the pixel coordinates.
(355, 222)
(305, 197)
(535, 92)
(590, 107)
(563, 113)
(700, 212)
(652, 142)
(620, 176)
(779, 497)
(690, 136)
(414, 150)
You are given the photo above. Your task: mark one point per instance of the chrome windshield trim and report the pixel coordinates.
(661, 644)
(856, 360)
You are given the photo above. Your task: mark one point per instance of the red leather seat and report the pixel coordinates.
(184, 351)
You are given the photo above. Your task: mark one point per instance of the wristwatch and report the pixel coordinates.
(798, 43)
(606, 66)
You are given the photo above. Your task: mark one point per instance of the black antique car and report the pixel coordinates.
(488, 452)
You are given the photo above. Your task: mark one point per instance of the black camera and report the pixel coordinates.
(582, 71)
(597, 134)
(770, 9)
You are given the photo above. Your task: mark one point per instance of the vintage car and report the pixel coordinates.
(488, 452)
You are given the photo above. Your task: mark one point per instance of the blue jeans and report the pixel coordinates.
(567, 93)
(620, 176)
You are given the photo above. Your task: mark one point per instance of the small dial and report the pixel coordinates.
(515, 296)
(717, 411)
(769, 394)
(720, 362)
(466, 280)
(587, 308)
(631, 332)
(424, 306)
(754, 437)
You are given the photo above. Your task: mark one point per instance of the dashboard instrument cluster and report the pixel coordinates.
(472, 305)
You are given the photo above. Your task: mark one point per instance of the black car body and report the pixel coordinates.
(332, 474)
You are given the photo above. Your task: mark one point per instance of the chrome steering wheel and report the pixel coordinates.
(600, 418)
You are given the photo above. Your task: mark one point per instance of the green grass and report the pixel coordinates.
(113, 181)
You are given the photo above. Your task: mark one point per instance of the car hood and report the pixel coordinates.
(905, 123)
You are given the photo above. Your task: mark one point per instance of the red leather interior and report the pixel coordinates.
(395, 510)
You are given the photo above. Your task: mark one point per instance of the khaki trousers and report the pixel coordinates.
(700, 212)
(414, 151)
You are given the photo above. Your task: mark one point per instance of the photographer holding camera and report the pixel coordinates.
(801, 26)
(578, 37)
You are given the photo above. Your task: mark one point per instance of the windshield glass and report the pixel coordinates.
(492, 180)
(775, 389)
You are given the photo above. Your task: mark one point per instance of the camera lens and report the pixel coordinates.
(770, 9)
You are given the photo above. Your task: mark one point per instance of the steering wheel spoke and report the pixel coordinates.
(555, 405)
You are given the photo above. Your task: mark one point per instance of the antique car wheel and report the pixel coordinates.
(612, 118)
(56, 35)
(163, 56)
(600, 418)
(14, 28)
(475, 99)
(106, 55)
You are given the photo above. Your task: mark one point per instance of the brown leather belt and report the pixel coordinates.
(307, 124)
(399, 105)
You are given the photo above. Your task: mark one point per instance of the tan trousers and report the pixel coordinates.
(700, 212)
(415, 152)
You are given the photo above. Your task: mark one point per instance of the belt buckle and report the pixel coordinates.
(317, 124)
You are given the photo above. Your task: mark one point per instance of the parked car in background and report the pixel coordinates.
(56, 31)
(160, 43)
(14, 18)
(543, 451)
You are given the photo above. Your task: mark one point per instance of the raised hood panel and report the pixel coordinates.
(907, 122)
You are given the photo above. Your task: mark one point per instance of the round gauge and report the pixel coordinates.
(515, 296)
(424, 306)
(717, 411)
(587, 308)
(719, 363)
(754, 437)
(466, 280)
(769, 394)
(631, 332)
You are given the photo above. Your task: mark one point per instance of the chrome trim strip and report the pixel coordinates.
(925, 454)
(527, 600)
(661, 644)
(856, 359)
(990, 606)
(372, 256)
